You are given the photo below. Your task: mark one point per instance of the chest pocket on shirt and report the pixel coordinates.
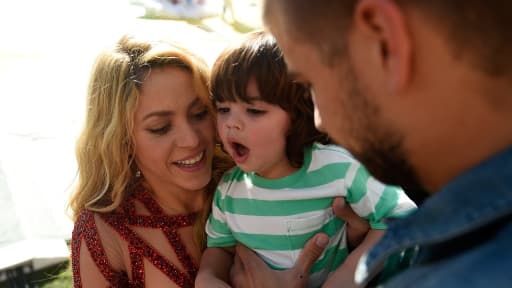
(300, 230)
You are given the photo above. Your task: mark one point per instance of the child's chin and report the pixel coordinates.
(246, 169)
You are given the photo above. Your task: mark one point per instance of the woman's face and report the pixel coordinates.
(174, 132)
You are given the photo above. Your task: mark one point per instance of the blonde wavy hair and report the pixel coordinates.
(105, 147)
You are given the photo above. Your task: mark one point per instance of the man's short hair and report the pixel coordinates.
(478, 31)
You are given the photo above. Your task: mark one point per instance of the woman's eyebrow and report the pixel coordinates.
(167, 113)
(196, 102)
(159, 113)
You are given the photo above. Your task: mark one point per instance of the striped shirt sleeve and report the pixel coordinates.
(374, 200)
(218, 232)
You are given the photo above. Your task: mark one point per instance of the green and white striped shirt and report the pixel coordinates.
(275, 217)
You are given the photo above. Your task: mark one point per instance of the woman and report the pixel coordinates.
(148, 165)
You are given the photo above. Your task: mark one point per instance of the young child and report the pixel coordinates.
(280, 193)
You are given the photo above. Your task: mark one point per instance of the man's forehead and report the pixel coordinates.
(289, 58)
(290, 47)
(293, 56)
(268, 10)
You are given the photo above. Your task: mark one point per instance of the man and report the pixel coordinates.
(421, 93)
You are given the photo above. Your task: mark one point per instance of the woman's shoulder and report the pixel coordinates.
(102, 224)
(104, 257)
(88, 222)
(98, 235)
(84, 220)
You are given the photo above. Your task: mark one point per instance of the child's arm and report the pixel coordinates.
(344, 275)
(378, 200)
(214, 269)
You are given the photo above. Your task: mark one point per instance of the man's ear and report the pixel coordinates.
(385, 24)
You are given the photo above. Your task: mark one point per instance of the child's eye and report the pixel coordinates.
(222, 110)
(161, 130)
(255, 111)
(201, 115)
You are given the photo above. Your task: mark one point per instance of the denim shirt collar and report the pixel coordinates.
(476, 198)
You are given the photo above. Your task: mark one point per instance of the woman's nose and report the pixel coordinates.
(188, 137)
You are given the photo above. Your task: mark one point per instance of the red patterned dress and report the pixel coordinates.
(121, 221)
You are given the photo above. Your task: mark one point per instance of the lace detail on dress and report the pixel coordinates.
(85, 228)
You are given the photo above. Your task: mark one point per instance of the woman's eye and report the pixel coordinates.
(161, 130)
(255, 111)
(201, 115)
(222, 110)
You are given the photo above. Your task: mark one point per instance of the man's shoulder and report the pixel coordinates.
(485, 264)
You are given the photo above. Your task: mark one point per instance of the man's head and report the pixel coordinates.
(372, 63)
(476, 30)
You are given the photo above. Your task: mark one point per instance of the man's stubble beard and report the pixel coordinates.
(381, 148)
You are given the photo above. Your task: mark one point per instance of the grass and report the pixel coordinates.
(59, 277)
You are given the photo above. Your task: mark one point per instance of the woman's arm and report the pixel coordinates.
(214, 269)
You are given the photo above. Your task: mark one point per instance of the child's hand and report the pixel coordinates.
(344, 276)
(357, 227)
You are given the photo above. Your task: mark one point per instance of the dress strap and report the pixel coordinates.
(169, 225)
(140, 249)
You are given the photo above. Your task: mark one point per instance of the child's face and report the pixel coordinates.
(255, 134)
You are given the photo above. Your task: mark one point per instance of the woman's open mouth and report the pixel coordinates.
(191, 162)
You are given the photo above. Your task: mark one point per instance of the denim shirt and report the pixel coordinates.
(460, 237)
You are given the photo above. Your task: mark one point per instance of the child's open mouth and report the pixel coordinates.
(241, 151)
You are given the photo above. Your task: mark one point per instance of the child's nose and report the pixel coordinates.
(234, 123)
